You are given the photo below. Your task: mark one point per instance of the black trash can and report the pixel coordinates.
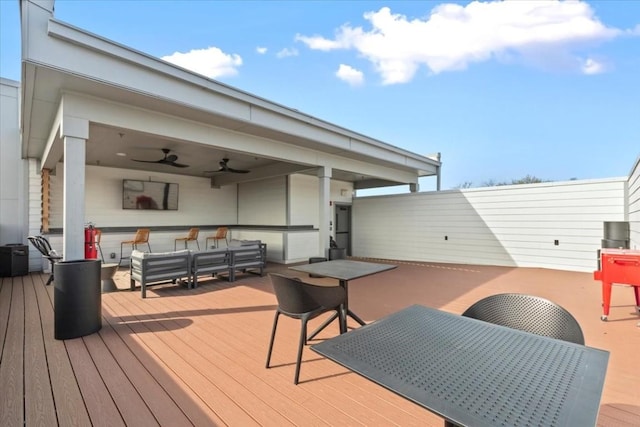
(14, 260)
(337, 253)
(77, 298)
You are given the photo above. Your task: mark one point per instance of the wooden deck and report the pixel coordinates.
(197, 357)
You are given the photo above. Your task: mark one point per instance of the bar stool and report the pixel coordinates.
(98, 238)
(142, 236)
(221, 234)
(192, 236)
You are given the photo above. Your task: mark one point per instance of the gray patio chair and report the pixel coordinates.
(528, 313)
(303, 301)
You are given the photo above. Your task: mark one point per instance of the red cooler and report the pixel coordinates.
(621, 266)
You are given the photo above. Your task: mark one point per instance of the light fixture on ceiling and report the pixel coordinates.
(121, 154)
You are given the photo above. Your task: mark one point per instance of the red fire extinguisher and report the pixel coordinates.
(90, 249)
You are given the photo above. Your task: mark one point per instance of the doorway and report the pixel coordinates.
(343, 227)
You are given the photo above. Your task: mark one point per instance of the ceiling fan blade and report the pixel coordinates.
(168, 159)
(224, 167)
(147, 161)
(237, 170)
(215, 172)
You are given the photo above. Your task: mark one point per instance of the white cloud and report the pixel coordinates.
(286, 52)
(261, 50)
(452, 37)
(350, 75)
(592, 66)
(210, 62)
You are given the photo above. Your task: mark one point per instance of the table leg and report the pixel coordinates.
(606, 299)
(347, 312)
(324, 325)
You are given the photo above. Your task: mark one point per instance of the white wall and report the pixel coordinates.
(304, 198)
(263, 202)
(507, 225)
(634, 204)
(13, 170)
(198, 203)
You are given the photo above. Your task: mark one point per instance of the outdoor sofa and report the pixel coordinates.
(185, 266)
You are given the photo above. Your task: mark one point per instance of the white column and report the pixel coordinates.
(324, 182)
(73, 202)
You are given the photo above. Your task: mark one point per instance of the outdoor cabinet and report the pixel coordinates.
(77, 298)
(14, 260)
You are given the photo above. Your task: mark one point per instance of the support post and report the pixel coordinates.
(74, 133)
(324, 194)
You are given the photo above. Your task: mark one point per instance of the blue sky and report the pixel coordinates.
(501, 89)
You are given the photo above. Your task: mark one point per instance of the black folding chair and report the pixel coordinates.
(303, 301)
(43, 246)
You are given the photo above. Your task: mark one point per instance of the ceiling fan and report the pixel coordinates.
(224, 167)
(168, 159)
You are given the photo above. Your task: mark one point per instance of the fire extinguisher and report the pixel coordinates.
(90, 249)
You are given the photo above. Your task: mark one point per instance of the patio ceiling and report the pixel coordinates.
(71, 62)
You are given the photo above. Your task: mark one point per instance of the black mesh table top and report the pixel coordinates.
(344, 269)
(474, 373)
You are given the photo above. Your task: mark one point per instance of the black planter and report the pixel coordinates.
(77, 298)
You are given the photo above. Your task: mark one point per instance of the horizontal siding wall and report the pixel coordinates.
(13, 170)
(263, 202)
(507, 225)
(34, 195)
(634, 205)
(198, 203)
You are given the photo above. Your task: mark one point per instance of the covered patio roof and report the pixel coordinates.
(137, 104)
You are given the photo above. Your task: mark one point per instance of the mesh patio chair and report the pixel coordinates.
(192, 236)
(43, 246)
(141, 237)
(304, 301)
(221, 234)
(528, 313)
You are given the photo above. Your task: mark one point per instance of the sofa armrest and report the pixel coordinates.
(248, 257)
(148, 268)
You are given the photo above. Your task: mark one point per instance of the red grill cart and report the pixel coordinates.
(620, 266)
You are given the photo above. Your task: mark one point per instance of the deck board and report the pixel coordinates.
(162, 407)
(38, 399)
(196, 357)
(12, 366)
(170, 386)
(148, 330)
(100, 405)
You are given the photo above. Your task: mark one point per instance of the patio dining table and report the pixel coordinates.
(474, 373)
(344, 270)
